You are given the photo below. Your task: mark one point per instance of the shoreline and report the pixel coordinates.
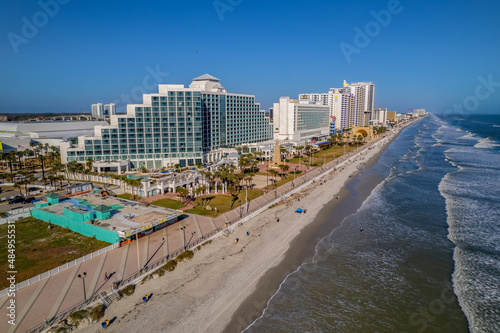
(303, 247)
(222, 284)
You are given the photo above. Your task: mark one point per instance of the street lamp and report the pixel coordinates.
(267, 176)
(184, 233)
(192, 234)
(147, 262)
(241, 210)
(83, 280)
(275, 185)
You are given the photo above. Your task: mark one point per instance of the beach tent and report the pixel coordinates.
(299, 210)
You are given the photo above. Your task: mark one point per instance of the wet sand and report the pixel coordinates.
(302, 248)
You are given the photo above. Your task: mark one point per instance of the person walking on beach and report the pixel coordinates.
(278, 219)
(106, 277)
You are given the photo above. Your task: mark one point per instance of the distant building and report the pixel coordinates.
(379, 117)
(420, 112)
(97, 109)
(109, 109)
(351, 105)
(17, 136)
(297, 120)
(391, 116)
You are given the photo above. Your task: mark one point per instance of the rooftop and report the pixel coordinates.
(126, 216)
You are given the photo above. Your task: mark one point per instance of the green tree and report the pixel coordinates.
(182, 193)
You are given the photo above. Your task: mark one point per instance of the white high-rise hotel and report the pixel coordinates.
(177, 125)
(351, 105)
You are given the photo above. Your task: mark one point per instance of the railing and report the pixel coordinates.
(153, 266)
(61, 268)
(16, 214)
(47, 323)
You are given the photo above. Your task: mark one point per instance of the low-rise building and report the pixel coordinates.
(110, 219)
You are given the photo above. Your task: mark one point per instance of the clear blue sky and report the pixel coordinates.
(429, 55)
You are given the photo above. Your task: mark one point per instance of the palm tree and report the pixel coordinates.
(136, 184)
(282, 167)
(274, 173)
(44, 180)
(52, 180)
(285, 169)
(11, 157)
(181, 192)
(72, 167)
(60, 178)
(19, 185)
(40, 155)
(19, 154)
(28, 179)
(249, 179)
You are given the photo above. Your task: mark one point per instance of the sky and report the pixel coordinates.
(64, 55)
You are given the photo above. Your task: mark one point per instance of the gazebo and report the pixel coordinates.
(103, 212)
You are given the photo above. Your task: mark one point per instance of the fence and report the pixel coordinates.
(61, 268)
(16, 214)
(43, 326)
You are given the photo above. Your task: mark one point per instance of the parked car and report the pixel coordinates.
(28, 200)
(33, 189)
(16, 199)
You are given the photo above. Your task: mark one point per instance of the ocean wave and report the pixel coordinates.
(476, 286)
(486, 144)
(468, 136)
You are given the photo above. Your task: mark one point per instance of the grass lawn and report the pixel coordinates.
(128, 196)
(222, 202)
(289, 178)
(169, 203)
(39, 249)
(326, 156)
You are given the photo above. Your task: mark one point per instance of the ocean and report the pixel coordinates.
(421, 254)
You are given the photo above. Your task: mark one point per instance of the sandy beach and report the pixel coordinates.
(226, 285)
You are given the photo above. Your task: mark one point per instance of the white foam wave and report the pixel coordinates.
(496, 125)
(468, 136)
(486, 144)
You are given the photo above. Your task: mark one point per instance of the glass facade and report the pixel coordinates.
(178, 127)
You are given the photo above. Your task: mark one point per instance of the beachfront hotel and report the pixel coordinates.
(177, 125)
(300, 121)
(351, 105)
